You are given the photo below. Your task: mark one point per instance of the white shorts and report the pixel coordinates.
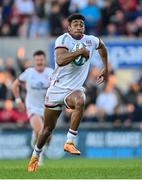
(56, 97)
(35, 111)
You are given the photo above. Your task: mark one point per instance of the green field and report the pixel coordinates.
(74, 168)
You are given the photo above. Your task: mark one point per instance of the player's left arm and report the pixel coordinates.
(104, 57)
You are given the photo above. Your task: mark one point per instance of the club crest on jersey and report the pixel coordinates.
(88, 42)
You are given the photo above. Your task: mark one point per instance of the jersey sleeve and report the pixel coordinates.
(24, 76)
(96, 42)
(62, 42)
(50, 73)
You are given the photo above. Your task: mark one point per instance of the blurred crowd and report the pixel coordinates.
(105, 104)
(45, 18)
(9, 71)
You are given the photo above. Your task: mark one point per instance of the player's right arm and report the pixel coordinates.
(63, 51)
(16, 91)
(64, 57)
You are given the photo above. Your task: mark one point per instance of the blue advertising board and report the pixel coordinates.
(125, 54)
(93, 144)
(122, 54)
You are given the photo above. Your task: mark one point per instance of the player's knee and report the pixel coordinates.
(38, 131)
(47, 131)
(80, 103)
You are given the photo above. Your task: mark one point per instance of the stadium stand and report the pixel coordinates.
(47, 19)
(34, 19)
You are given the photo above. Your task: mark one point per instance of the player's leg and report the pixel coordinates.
(36, 122)
(36, 125)
(50, 119)
(75, 101)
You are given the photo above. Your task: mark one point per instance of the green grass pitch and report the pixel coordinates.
(74, 168)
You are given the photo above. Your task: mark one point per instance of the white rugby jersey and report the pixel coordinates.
(36, 85)
(70, 76)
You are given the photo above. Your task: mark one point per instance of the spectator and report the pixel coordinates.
(25, 7)
(106, 111)
(139, 26)
(14, 26)
(131, 95)
(5, 30)
(64, 5)
(38, 28)
(7, 10)
(120, 20)
(138, 111)
(10, 67)
(8, 114)
(8, 82)
(93, 16)
(3, 87)
(111, 30)
(39, 8)
(77, 5)
(128, 5)
(55, 20)
(131, 29)
(107, 95)
(1, 20)
(140, 83)
(108, 12)
(90, 114)
(91, 89)
(24, 28)
(2, 68)
(64, 23)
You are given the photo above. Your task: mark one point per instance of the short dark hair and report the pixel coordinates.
(38, 53)
(75, 16)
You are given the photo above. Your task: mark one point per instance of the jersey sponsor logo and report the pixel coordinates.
(39, 86)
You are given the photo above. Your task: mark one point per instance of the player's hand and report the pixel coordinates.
(102, 76)
(85, 52)
(20, 105)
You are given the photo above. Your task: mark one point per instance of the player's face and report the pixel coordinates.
(76, 28)
(39, 62)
